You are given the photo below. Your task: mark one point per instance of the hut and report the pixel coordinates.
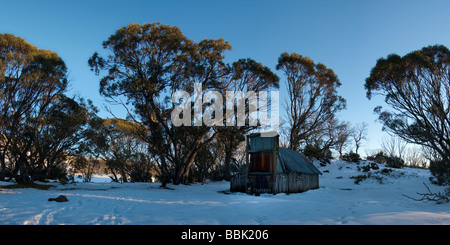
(273, 169)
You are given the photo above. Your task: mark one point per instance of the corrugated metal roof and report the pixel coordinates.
(294, 161)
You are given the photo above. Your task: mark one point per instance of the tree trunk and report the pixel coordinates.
(227, 165)
(3, 169)
(23, 176)
(185, 163)
(165, 177)
(182, 173)
(111, 169)
(122, 172)
(3, 160)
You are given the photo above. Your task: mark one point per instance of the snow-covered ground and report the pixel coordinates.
(338, 201)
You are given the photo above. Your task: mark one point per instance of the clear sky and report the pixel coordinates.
(347, 36)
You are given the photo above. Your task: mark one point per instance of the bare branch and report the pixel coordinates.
(439, 197)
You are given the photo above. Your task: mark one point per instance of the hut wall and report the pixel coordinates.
(284, 183)
(238, 182)
(260, 183)
(295, 182)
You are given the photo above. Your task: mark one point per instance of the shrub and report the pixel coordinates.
(394, 162)
(28, 185)
(368, 175)
(313, 151)
(364, 168)
(359, 178)
(380, 175)
(441, 171)
(351, 157)
(386, 171)
(380, 157)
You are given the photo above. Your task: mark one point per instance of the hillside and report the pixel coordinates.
(376, 200)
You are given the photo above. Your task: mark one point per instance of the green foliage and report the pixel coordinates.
(84, 165)
(39, 124)
(365, 168)
(368, 175)
(146, 62)
(312, 99)
(313, 151)
(417, 87)
(379, 175)
(140, 170)
(394, 162)
(386, 171)
(351, 157)
(120, 146)
(379, 157)
(441, 172)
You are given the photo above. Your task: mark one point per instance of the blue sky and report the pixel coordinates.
(347, 36)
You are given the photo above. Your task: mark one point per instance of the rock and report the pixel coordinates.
(374, 166)
(60, 198)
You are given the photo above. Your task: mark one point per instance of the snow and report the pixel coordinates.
(338, 201)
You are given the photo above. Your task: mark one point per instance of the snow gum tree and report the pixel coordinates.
(148, 63)
(38, 123)
(417, 88)
(312, 98)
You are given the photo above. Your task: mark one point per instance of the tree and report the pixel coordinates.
(86, 165)
(358, 134)
(120, 145)
(32, 82)
(312, 97)
(246, 75)
(414, 158)
(150, 61)
(333, 134)
(417, 88)
(57, 135)
(343, 132)
(126, 150)
(393, 146)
